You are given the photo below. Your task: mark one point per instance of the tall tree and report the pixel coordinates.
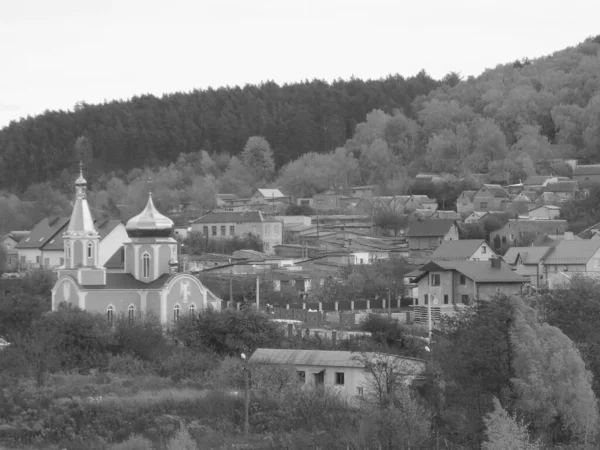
(258, 158)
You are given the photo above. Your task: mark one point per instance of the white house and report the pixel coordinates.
(465, 249)
(341, 370)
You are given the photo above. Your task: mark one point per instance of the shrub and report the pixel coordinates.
(182, 440)
(135, 442)
(144, 338)
(186, 364)
(127, 364)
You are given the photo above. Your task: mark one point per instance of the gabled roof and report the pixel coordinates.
(16, 236)
(43, 232)
(521, 198)
(469, 194)
(549, 226)
(478, 271)
(117, 260)
(573, 251)
(430, 228)
(529, 255)
(233, 217)
(562, 186)
(422, 199)
(271, 193)
(458, 250)
(496, 190)
(103, 227)
(590, 169)
(536, 180)
(319, 358)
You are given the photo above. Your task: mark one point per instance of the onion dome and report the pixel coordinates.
(149, 223)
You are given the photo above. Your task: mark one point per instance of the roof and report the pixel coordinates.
(320, 358)
(434, 227)
(103, 227)
(536, 180)
(271, 193)
(529, 255)
(478, 271)
(16, 236)
(234, 217)
(562, 186)
(496, 190)
(149, 221)
(227, 196)
(126, 281)
(552, 207)
(43, 232)
(590, 169)
(550, 226)
(573, 251)
(461, 249)
(521, 198)
(117, 260)
(468, 194)
(423, 199)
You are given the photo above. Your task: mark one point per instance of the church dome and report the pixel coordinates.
(149, 223)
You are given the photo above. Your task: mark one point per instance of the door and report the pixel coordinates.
(319, 378)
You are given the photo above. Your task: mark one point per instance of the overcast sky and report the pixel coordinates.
(55, 53)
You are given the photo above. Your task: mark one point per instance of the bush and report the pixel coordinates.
(135, 442)
(143, 339)
(127, 364)
(186, 364)
(182, 440)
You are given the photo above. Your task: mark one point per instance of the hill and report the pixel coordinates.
(295, 119)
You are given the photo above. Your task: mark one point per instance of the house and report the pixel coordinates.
(429, 234)
(362, 191)
(225, 224)
(267, 195)
(461, 282)
(304, 201)
(583, 173)
(476, 216)
(421, 202)
(330, 200)
(536, 182)
(31, 255)
(294, 221)
(524, 231)
(573, 255)
(342, 370)
(150, 282)
(514, 189)
(490, 197)
(440, 214)
(297, 251)
(548, 198)
(565, 190)
(9, 243)
(225, 199)
(465, 202)
(464, 250)
(520, 204)
(545, 212)
(528, 262)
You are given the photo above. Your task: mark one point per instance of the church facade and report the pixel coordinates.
(149, 284)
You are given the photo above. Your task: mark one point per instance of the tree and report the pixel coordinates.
(238, 180)
(299, 210)
(390, 221)
(503, 431)
(258, 158)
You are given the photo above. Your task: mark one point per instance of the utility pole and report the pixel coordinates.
(390, 304)
(230, 283)
(246, 394)
(257, 293)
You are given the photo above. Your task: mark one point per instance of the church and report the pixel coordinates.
(149, 283)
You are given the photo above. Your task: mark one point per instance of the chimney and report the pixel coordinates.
(569, 236)
(496, 263)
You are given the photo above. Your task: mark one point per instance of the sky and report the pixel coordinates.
(56, 53)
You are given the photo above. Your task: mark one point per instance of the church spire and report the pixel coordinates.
(81, 222)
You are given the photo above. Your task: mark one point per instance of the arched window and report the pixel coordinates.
(89, 249)
(146, 265)
(176, 313)
(110, 314)
(131, 314)
(192, 309)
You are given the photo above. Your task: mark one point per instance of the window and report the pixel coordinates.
(145, 265)
(301, 376)
(435, 279)
(23, 260)
(89, 250)
(359, 391)
(68, 250)
(46, 262)
(223, 230)
(231, 230)
(253, 229)
(484, 249)
(37, 259)
(426, 299)
(596, 263)
(176, 313)
(445, 299)
(267, 230)
(131, 314)
(512, 237)
(214, 230)
(62, 261)
(205, 231)
(483, 205)
(465, 299)
(276, 230)
(463, 280)
(110, 314)
(192, 309)
(339, 378)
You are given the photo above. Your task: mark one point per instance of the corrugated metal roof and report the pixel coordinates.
(430, 228)
(591, 169)
(271, 193)
(573, 251)
(327, 358)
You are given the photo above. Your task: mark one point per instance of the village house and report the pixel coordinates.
(304, 201)
(43, 248)
(580, 256)
(548, 198)
(464, 250)
(465, 202)
(9, 243)
(362, 191)
(421, 202)
(491, 197)
(565, 190)
(342, 370)
(330, 200)
(224, 200)
(226, 225)
(545, 212)
(429, 234)
(461, 282)
(589, 173)
(528, 262)
(524, 231)
(536, 182)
